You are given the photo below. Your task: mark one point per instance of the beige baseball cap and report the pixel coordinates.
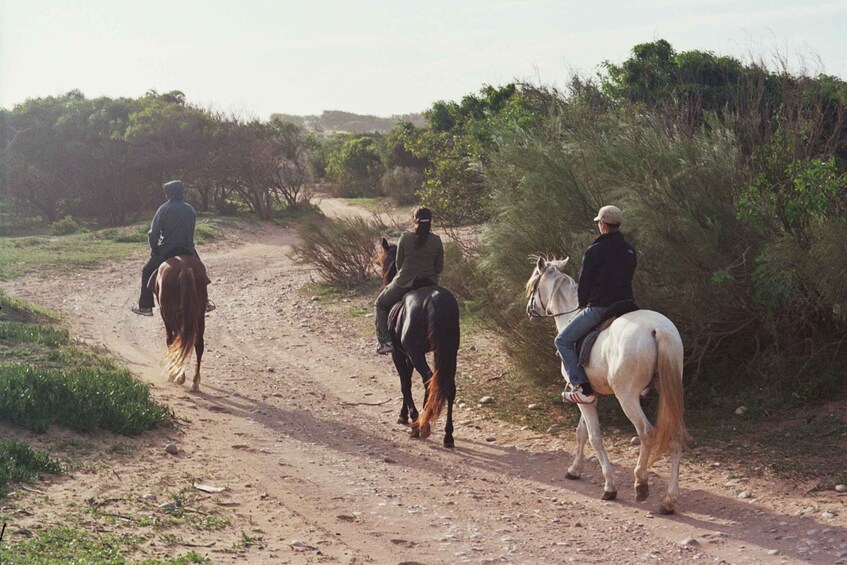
(610, 215)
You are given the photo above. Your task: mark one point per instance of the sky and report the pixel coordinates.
(254, 58)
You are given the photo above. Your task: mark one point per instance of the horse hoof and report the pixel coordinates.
(664, 510)
(195, 388)
(448, 442)
(571, 477)
(641, 493)
(610, 495)
(415, 433)
(402, 420)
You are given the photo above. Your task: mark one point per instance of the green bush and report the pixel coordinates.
(401, 184)
(343, 251)
(19, 463)
(82, 399)
(66, 226)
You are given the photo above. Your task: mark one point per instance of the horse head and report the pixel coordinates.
(387, 259)
(542, 285)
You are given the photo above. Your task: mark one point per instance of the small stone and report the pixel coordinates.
(828, 515)
(315, 298)
(172, 448)
(716, 464)
(740, 410)
(840, 488)
(149, 496)
(773, 552)
(744, 494)
(472, 348)
(635, 441)
(271, 370)
(533, 407)
(486, 400)
(490, 439)
(389, 460)
(168, 506)
(690, 542)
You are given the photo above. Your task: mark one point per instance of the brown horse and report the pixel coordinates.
(180, 287)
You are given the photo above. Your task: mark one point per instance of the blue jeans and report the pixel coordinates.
(585, 321)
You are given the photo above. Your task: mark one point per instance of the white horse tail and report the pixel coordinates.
(669, 423)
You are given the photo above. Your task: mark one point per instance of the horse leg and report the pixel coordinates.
(199, 347)
(418, 360)
(448, 428)
(575, 470)
(631, 406)
(592, 422)
(671, 498)
(404, 369)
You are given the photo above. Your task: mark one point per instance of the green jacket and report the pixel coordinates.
(415, 263)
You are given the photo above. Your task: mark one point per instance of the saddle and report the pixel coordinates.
(400, 306)
(614, 311)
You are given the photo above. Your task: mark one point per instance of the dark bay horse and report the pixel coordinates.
(180, 287)
(427, 319)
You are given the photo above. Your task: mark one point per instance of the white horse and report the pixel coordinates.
(639, 349)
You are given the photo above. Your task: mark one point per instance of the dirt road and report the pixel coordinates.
(296, 417)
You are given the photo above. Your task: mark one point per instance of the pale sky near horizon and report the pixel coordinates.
(253, 58)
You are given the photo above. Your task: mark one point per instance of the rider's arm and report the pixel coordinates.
(586, 277)
(155, 231)
(439, 258)
(401, 253)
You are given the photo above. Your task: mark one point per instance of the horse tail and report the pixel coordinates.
(669, 423)
(444, 338)
(186, 335)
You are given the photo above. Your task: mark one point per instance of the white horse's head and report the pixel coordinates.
(541, 286)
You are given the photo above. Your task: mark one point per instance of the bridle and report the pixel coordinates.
(532, 312)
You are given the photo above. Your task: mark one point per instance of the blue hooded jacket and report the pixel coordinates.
(173, 225)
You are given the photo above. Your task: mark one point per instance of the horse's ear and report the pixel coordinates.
(560, 264)
(385, 244)
(541, 263)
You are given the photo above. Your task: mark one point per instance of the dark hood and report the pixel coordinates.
(175, 190)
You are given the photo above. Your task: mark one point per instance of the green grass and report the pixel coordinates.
(67, 544)
(45, 380)
(20, 463)
(81, 399)
(368, 203)
(60, 254)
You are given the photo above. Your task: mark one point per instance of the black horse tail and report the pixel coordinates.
(186, 332)
(443, 316)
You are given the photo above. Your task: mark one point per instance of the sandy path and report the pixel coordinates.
(291, 418)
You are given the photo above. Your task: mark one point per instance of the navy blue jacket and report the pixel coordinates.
(173, 224)
(607, 270)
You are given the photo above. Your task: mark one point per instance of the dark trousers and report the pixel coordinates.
(146, 300)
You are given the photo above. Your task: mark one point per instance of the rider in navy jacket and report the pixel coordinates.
(605, 278)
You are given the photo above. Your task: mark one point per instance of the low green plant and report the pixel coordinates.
(20, 463)
(81, 399)
(66, 226)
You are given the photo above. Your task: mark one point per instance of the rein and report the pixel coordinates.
(533, 314)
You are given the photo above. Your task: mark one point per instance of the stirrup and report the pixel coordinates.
(210, 305)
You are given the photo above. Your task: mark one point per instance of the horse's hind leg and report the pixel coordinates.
(595, 436)
(448, 428)
(575, 470)
(418, 361)
(199, 347)
(404, 369)
(632, 408)
(671, 498)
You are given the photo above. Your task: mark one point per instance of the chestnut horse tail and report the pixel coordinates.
(669, 424)
(180, 349)
(443, 319)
